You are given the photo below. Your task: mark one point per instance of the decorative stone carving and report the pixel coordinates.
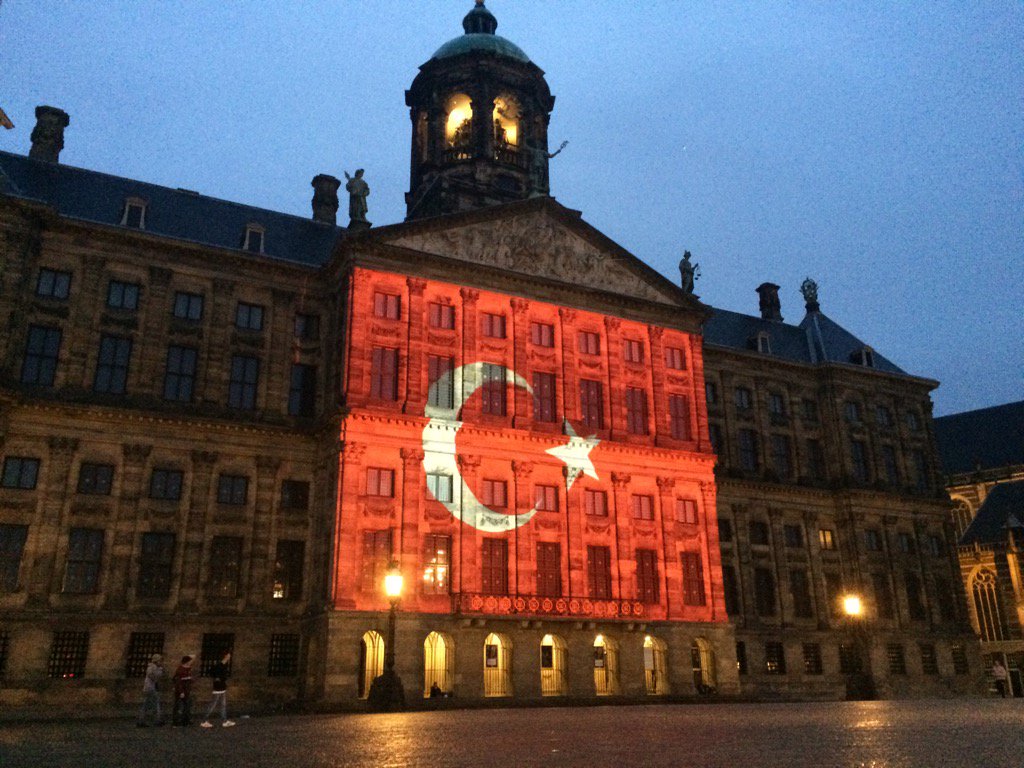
(136, 451)
(62, 445)
(666, 484)
(416, 286)
(469, 295)
(522, 469)
(204, 457)
(620, 480)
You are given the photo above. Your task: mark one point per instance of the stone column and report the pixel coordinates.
(520, 334)
(524, 556)
(470, 334)
(127, 527)
(416, 380)
(616, 403)
(671, 585)
(195, 527)
(347, 541)
(279, 331)
(621, 528)
(570, 378)
(469, 577)
(263, 547)
(45, 574)
(659, 401)
(410, 512)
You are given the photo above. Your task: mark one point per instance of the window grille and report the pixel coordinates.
(283, 660)
(215, 645)
(67, 655)
(812, 659)
(141, 647)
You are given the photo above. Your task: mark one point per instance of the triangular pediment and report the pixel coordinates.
(543, 244)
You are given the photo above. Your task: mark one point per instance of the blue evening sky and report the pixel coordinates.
(874, 146)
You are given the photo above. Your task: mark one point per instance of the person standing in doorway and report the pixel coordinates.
(151, 691)
(999, 673)
(220, 693)
(181, 714)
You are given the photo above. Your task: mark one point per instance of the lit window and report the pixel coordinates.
(436, 564)
(827, 539)
(459, 123)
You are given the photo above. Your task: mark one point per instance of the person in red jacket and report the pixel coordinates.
(182, 712)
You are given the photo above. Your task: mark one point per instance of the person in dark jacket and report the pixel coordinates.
(220, 672)
(181, 714)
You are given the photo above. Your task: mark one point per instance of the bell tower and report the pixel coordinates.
(480, 110)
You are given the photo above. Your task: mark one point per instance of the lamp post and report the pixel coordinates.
(386, 691)
(860, 684)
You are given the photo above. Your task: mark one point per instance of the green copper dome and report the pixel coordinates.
(480, 25)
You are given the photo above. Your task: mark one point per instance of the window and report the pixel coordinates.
(776, 404)
(493, 390)
(245, 376)
(542, 334)
(232, 490)
(929, 662)
(180, 374)
(307, 327)
(883, 416)
(252, 241)
(67, 655)
(295, 495)
(384, 374)
(599, 572)
(441, 392)
(812, 659)
(892, 470)
(112, 364)
(936, 545)
(859, 456)
(774, 658)
(732, 590)
(215, 646)
(42, 348)
(437, 557)
(959, 654)
(647, 587)
(387, 306)
(851, 410)
(591, 404)
(915, 598)
(494, 493)
(711, 392)
(85, 552)
(749, 460)
(725, 530)
(95, 479)
(781, 463)
(302, 390)
(440, 486)
(589, 343)
(815, 460)
(633, 351)
(549, 569)
(759, 533)
(283, 660)
(134, 215)
(741, 657)
(743, 399)
(546, 498)
(492, 326)
(921, 478)
(693, 578)
(141, 647)
(873, 540)
(288, 567)
(800, 589)
(156, 561)
(827, 539)
(495, 566)
(945, 600)
(793, 535)
(441, 316)
(636, 411)
(675, 359)
(897, 660)
(20, 472)
(679, 417)
(809, 410)
(188, 306)
(544, 397)
(122, 295)
(376, 558)
(165, 484)
(850, 662)
(249, 317)
(913, 421)
(53, 284)
(715, 435)
(595, 502)
(686, 512)
(225, 566)
(883, 595)
(763, 343)
(905, 543)
(380, 482)
(833, 593)
(764, 592)
(12, 547)
(643, 507)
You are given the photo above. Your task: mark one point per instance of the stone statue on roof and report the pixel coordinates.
(358, 190)
(809, 289)
(689, 273)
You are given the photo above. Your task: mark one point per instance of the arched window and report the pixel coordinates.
(437, 663)
(986, 606)
(962, 516)
(655, 666)
(371, 661)
(497, 665)
(552, 666)
(506, 128)
(606, 666)
(703, 658)
(458, 129)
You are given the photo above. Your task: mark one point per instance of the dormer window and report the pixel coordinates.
(253, 239)
(762, 343)
(864, 356)
(134, 214)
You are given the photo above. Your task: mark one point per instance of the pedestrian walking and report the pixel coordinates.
(181, 714)
(220, 693)
(999, 673)
(151, 691)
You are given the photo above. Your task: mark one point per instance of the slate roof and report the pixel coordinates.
(176, 213)
(1002, 510)
(817, 339)
(986, 438)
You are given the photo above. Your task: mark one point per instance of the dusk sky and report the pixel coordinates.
(877, 147)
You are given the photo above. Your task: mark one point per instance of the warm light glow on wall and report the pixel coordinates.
(506, 121)
(852, 605)
(460, 115)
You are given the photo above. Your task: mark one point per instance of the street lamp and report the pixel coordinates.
(860, 684)
(386, 691)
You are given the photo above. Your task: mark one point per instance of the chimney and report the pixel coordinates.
(325, 198)
(48, 135)
(771, 309)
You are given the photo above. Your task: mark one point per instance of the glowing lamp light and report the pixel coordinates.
(393, 583)
(852, 605)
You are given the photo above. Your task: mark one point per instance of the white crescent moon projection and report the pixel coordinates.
(440, 454)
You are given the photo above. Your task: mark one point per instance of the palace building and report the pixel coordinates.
(222, 426)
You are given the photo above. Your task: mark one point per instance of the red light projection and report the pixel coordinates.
(516, 457)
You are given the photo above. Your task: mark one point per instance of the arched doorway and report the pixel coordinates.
(703, 658)
(552, 666)
(655, 666)
(606, 666)
(437, 663)
(497, 665)
(371, 661)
